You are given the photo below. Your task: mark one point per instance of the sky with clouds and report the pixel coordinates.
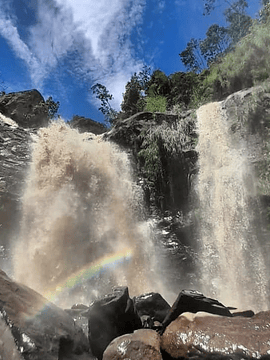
(63, 47)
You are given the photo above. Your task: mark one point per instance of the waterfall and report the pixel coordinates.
(232, 267)
(80, 215)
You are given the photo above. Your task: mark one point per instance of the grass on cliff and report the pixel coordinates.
(247, 65)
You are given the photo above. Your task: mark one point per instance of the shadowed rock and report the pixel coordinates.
(83, 124)
(110, 317)
(152, 305)
(194, 301)
(27, 108)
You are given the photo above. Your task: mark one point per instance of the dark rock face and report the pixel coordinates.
(15, 154)
(83, 124)
(110, 317)
(202, 336)
(152, 305)
(25, 108)
(40, 329)
(172, 185)
(142, 344)
(194, 301)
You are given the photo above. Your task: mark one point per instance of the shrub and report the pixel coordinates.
(156, 104)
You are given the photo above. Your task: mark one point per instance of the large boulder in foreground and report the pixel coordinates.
(207, 336)
(142, 344)
(40, 329)
(27, 108)
(110, 317)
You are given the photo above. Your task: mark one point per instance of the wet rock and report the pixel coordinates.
(26, 108)
(204, 336)
(83, 124)
(152, 305)
(172, 189)
(40, 329)
(15, 154)
(142, 344)
(110, 317)
(8, 347)
(194, 301)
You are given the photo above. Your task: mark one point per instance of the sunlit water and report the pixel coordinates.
(232, 267)
(81, 213)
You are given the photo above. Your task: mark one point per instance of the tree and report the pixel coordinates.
(134, 96)
(105, 97)
(264, 13)
(216, 42)
(3, 87)
(219, 40)
(158, 85)
(191, 57)
(52, 107)
(238, 20)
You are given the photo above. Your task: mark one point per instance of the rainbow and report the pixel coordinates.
(90, 270)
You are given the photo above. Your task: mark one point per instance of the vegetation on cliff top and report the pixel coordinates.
(228, 59)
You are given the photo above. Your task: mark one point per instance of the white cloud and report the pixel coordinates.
(99, 31)
(10, 33)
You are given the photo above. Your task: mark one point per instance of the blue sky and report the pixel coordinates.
(63, 47)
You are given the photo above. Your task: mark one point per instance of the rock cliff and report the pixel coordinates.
(27, 108)
(15, 154)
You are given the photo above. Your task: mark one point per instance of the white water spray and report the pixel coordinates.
(232, 266)
(79, 206)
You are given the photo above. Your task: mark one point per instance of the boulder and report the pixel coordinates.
(205, 336)
(194, 301)
(83, 124)
(25, 107)
(110, 317)
(152, 305)
(40, 329)
(142, 344)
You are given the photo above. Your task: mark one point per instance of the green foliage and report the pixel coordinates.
(156, 104)
(52, 107)
(219, 40)
(162, 142)
(49, 109)
(239, 22)
(105, 97)
(247, 65)
(216, 42)
(158, 84)
(191, 57)
(133, 98)
(3, 87)
(264, 13)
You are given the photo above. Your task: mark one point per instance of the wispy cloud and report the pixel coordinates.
(93, 37)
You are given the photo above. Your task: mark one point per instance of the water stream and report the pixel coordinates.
(82, 231)
(232, 267)
(81, 219)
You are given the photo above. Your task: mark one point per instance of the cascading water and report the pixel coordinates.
(79, 215)
(232, 266)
